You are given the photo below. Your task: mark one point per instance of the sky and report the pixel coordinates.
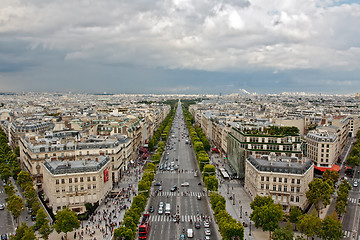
(180, 46)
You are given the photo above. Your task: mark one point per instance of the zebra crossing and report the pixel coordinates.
(1, 191)
(353, 200)
(173, 194)
(164, 218)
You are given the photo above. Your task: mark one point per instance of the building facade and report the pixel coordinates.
(285, 179)
(73, 183)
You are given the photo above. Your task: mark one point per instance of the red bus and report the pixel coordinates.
(144, 226)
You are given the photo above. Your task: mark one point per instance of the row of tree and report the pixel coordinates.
(229, 228)
(128, 228)
(267, 215)
(353, 158)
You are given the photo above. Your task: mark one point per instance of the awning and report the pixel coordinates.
(335, 168)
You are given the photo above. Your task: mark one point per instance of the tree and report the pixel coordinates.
(319, 193)
(14, 205)
(352, 161)
(5, 173)
(123, 233)
(285, 233)
(234, 230)
(40, 219)
(211, 183)
(266, 214)
(9, 189)
(294, 214)
(24, 179)
(66, 221)
(331, 175)
(331, 229)
(24, 232)
(45, 231)
(309, 224)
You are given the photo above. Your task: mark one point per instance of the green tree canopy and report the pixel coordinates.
(14, 205)
(66, 221)
(309, 224)
(284, 233)
(24, 179)
(331, 229)
(319, 193)
(331, 175)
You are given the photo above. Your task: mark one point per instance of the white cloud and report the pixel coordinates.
(203, 34)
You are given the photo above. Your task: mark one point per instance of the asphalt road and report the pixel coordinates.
(351, 221)
(6, 224)
(185, 200)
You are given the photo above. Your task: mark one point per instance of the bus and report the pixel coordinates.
(224, 174)
(144, 226)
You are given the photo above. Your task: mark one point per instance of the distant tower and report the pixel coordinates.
(357, 97)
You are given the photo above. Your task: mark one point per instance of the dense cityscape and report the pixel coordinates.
(236, 166)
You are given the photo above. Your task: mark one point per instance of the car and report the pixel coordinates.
(198, 197)
(197, 225)
(207, 238)
(33, 217)
(207, 232)
(168, 168)
(161, 167)
(151, 209)
(173, 188)
(206, 224)
(195, 174)
(172, 169)
(2, 206)
(157, 184)
(161, 204)
(160, 188)
(176, 167)
(4, 237)
(355, 184)
(182, 237)
(160, 211)
(185, 184)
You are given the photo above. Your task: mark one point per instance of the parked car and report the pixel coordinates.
(185, 184)
(197, 225)
(2, 206)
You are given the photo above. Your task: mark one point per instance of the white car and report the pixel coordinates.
(185, 184)
(160, 211)
(206, 224)
(207, 232)
(355, 184)
(2, 206)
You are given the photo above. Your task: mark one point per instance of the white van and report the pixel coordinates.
(167, 209)
(190, 233)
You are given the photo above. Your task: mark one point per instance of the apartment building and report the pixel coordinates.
(71, 145)
(285, 179)
(73, 183)
(243, 142)
(323, 148)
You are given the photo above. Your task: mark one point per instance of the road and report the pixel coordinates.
(183, 201)
(6, 224)
(351, 223)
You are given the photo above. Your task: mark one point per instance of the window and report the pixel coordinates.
(297, 189)
(63, 181)
(46, 155)
(87, 153)
(94, 186)
(76, 188)
(285, 180)
(297, 199)
(82, 187)
(54, 154)
(291, 198)
(280, 179)
(262, 186)
(89, 186)
(94, 178)
(81, 179)
(70, 189)
(262, 178)
(70, 180)
(274, 187)
(88, 179)
(298, 181)
(75, 180)
(267, 186)
(292, 189)
(57, 190)
(274, 179)
(279, 188)
(57, 181)
(63, 189)
(267, 179)
(293, 181)
(285, 188)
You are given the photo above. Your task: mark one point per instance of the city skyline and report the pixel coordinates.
(172, 47)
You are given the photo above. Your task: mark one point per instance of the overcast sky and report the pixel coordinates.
(180, 46)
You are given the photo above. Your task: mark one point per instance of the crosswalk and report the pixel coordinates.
(347, 234)
(353, 200)
(173, 194)
(350, 235)
(164, 218)
(1, 191)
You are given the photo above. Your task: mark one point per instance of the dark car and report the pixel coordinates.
(173, 188)
(33, 217)
(4, 237)
(151, 209)
(197, 225)
(157, 184)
